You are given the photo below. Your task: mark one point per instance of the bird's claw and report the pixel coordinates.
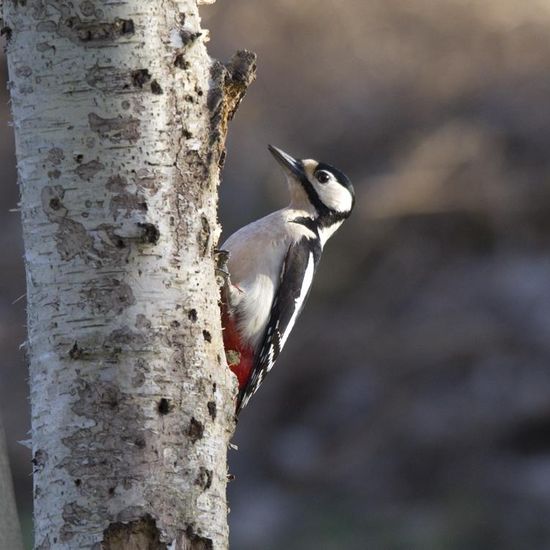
(222, 257)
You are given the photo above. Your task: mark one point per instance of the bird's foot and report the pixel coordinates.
(222, 272)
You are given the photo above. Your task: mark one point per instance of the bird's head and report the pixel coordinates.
(317, 187)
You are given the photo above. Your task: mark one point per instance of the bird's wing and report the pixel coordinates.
(294, 285)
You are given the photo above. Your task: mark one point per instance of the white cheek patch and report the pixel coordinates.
(334, 195)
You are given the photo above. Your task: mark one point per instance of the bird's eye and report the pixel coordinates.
(322, 176)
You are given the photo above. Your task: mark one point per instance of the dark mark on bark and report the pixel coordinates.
(39, 460)
(204, 478)
(127, 203)
(55, 155)
(46, 26)
(203, 237)
(164, 406)
(192, 315)
(88, 170)
(87, 8)
(128, 26)
(212, 409)
(74, 516)
(116, 183)
(180, 62)
(113, 419)
(111, 246)
(151, 233)
(141, 533)
(124, 338)
(55, 203)
(73, 240)
(78, 482)
(207, 336)
(155, 88)
(215, 95)
(187, 37)
(7, 32)
(195, 430)
(142, 323)
(45, 544)
(115, 129)
(45, 46)
(108, 79)
(221, 162)
(196, 541)
(110, 398)
(24, 71)
(108, 295)
(94, 33)
(26, 89)
(142, 366)
(147, 180)
(138, 380)
(140, 77)
(75, 352)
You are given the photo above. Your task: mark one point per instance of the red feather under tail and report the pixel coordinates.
(240, 357)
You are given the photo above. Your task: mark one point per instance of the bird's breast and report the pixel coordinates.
(256, 257)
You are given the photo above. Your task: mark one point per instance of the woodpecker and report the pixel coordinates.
(271, 263)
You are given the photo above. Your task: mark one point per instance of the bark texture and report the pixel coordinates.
(120, 119)
(10, 531)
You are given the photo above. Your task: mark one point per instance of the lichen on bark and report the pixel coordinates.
(120, 121)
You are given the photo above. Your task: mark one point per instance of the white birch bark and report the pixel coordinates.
(10, 530)
(120, 118)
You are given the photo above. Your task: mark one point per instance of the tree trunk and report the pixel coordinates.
(120, 119)
(10, 531)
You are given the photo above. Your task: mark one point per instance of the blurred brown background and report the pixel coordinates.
(411, 408)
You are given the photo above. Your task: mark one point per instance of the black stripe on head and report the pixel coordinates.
(327, 217)
(340, 176)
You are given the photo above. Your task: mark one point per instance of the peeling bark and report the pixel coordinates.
(120, 120)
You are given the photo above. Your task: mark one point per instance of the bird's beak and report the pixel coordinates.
(294, 166)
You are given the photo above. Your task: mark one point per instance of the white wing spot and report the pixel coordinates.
(271, 361)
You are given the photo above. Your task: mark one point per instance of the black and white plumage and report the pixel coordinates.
(271, 265)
